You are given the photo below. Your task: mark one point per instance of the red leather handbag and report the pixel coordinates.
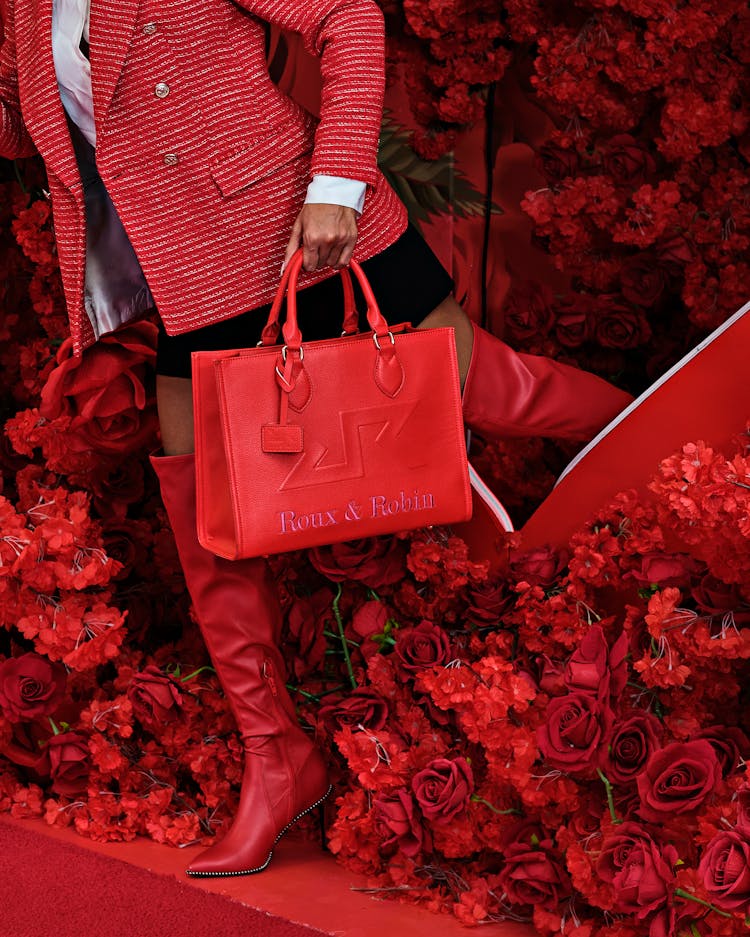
(331, 440)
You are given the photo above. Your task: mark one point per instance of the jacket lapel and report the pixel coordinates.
(111, 32)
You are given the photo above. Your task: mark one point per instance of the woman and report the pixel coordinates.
(182, 178)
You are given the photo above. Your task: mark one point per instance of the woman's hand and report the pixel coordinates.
(328, 234)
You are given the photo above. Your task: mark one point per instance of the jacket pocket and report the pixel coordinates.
(259, 157)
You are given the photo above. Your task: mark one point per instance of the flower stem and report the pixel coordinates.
(313, 696)
(196, 672)
(54, 727)
(344, 645)
(330, 634)
(610, 798)
(19, 180)
(706, 904)
(476, 799)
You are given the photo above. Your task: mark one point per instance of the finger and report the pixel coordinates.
(328, 250)
(335, 257)
(309, 257)
(293, 244)
(347, 252)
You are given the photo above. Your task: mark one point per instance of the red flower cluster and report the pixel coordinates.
(645, 205)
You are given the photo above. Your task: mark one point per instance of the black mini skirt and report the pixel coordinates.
(407, 279)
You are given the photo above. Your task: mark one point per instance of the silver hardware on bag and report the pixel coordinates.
(377, 343)
(301, 353)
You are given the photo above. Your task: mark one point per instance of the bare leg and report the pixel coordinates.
(174, 400)
(449, 313)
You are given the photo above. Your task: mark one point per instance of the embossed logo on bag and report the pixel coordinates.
(378, 505)
(385, 425)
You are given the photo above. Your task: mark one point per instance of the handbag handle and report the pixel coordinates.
(291, 331)
(270, 333)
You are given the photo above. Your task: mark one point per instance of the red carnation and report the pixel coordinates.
(30, 686)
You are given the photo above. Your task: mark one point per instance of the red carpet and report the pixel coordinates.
(54, 889)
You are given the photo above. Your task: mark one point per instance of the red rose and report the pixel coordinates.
(642, 279)
(419, 648)
(306, 623)
(551, 676)
(572, 327)
(108, 392)
(396, 819)
(538, 567)
(731, 745)
(488, 602)
(69, 762)
(114, 488)
(664, 569)
(556, 162)
(577, 727)
(620, 326)
(715, 597)
(626, 161)
(574, 317)
(127, 541)
(443, 789)
(528, 311)
(677, 778)
(363, 707)
(533, 875)
(675, 254)
(587, 670)
(724, 870)
(374, 561)
(155, 696)
(594, 669)
(743, 812)
(30, 686)
(369, 623)
(640, 872)
(632, 744)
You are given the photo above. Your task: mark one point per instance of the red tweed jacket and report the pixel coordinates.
(208, 178)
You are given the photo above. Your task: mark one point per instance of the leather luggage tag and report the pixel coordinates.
(278, 437)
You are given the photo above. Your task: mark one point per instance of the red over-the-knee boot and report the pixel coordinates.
(512, 394)
(238, 611)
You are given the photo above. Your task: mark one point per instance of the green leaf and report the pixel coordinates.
(426, 187)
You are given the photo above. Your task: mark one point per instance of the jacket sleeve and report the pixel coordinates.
(15, 141)
(349, 38)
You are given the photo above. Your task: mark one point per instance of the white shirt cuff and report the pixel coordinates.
(333, 190)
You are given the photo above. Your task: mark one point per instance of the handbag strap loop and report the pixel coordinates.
(270, 333)
(291, 330)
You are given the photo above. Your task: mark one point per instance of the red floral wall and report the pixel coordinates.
(563, 741)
